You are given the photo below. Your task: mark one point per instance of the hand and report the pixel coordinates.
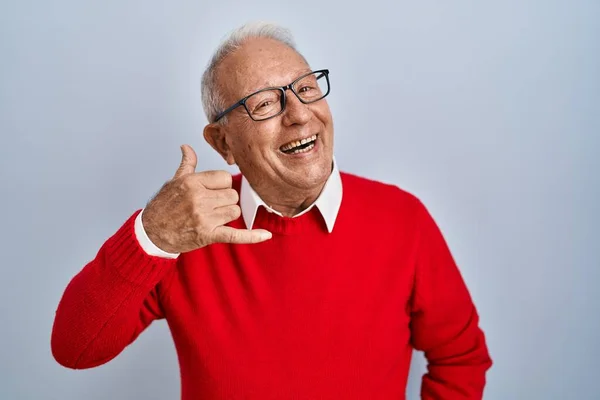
(191, 210)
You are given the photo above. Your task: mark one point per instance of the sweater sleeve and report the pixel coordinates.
(109, 302)
(444, 322)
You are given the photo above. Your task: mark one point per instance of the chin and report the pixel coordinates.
(314, 176)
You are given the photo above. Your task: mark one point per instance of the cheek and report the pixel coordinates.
(242, 148)
(253, 141)
(262, 136)
(240, 134)
(323, 114)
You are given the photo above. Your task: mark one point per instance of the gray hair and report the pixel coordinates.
(212, 100)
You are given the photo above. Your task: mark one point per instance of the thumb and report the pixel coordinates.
(188, 162)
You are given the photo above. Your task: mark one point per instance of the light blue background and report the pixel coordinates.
(488, 111)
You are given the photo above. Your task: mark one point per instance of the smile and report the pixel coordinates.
(299, 146)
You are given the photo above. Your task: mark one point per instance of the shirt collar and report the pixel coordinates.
(328, 203)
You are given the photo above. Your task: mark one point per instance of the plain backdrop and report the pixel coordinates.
(489, 111)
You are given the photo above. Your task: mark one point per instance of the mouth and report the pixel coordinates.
(300, 145)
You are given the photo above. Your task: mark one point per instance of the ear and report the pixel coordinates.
(215, 135)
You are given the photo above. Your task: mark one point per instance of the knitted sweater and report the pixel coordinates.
(305, 315)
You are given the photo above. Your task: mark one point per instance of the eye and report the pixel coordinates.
(305, 89)
(265, 104)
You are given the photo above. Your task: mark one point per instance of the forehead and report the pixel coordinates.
(259, 63)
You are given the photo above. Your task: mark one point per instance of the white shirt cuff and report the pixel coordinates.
(146, 243)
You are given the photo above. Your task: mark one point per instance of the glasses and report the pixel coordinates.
(270, 102)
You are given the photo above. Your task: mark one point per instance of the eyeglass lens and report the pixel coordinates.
(267, 103)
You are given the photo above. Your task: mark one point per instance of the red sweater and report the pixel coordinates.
(306, 315)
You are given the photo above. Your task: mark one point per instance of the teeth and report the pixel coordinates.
(303, 150)
(297, 143)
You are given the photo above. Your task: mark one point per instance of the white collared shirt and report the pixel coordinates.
(328, 203)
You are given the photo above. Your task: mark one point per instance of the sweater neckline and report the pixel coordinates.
(310, 221)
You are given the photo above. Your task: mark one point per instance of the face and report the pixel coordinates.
(258, 147)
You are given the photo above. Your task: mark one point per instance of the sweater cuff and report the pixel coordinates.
(124, 253)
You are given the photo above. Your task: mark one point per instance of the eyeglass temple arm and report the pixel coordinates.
(230, 109)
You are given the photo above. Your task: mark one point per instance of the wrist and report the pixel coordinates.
(149, 239)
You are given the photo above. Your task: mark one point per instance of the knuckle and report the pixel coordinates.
(206, 174)
(229, 213)
(185, 183)
(233, 195)
(223, 174)
(213, 174)
(235, 212)
(224, 177)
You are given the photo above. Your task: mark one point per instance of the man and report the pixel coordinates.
(289, 281)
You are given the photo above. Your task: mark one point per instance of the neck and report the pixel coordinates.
(290, 203)
(287, 199)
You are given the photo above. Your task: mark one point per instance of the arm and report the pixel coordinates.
(117, 295)
(444, 322)
(110, 302)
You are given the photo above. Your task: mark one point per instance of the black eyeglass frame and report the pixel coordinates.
(282, 99)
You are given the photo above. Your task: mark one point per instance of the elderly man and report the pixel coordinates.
(289, 281)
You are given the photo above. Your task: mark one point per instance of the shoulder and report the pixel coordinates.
(382, 207)
(365, 191)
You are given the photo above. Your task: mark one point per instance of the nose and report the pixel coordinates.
(295, 111)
